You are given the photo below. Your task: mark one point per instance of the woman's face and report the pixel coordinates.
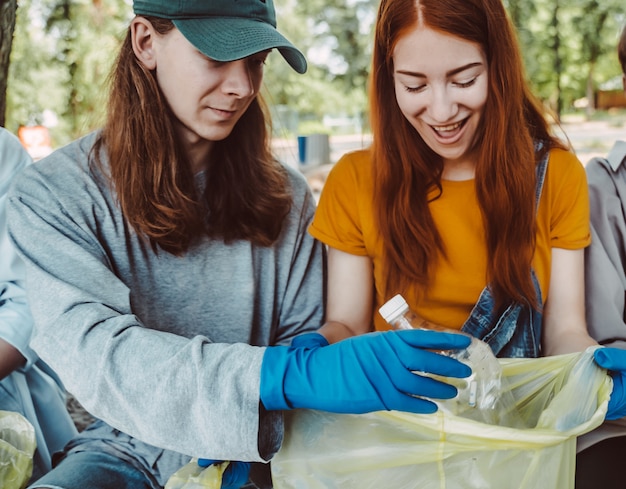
(207, 97)
(441, 88)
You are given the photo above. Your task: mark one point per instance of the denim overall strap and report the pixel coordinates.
(517, 331)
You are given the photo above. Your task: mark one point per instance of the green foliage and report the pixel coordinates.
(568, 45)
(63, 49)
(61, 56)
(335, 82)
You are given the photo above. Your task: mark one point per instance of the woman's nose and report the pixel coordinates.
(442, 107)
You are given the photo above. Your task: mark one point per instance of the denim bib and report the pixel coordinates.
(517, 331)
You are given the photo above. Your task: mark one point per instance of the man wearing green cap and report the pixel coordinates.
(171, 277)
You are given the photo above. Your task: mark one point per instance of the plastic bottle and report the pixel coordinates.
(482, 396)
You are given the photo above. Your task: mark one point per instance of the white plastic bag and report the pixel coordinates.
(558, 397)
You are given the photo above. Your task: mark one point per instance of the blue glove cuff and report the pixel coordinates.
(273, 368)
(309, 340)
(205, 462)
(236, 475)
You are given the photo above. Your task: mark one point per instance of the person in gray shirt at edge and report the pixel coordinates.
(170, 272)
(605, 300)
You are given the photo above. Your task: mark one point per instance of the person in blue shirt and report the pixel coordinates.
(27, 385)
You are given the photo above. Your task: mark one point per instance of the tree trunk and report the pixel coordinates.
(8, 9)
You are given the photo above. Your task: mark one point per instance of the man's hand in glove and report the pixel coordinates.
(371, 372)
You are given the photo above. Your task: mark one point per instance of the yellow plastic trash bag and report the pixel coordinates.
(558, 398)
(17, 447)
(192, 476)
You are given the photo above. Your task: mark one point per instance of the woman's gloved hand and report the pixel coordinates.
(235, 475)
(365, 373)
(614, 360)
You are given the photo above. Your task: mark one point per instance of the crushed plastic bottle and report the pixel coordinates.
(481, 396)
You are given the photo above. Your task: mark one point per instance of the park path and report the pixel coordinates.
(594, 138)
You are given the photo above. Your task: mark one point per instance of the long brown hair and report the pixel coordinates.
(406, 169)
(246, 196)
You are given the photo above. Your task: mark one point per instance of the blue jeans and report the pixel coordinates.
(93, 470)
(38, 397)
(101, 454)
(102, 457)
(514, 333)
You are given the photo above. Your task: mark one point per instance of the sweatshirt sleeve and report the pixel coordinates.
(179, 392)
(302, 308)
(605, 263)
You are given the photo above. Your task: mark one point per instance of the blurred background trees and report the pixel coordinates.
(62, 51)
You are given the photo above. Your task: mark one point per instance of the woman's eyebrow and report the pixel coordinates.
(448, 74)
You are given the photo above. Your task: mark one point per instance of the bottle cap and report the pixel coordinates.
(393, 308)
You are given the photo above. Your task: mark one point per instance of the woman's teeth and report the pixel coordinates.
(449, 127)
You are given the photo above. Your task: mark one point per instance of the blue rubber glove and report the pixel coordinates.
(371, 372)
(309, 340)
(614, 359)
(235, 475)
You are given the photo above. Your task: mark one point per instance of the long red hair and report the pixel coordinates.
(406, 169)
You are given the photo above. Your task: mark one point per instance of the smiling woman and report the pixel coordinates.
(442, 99)
(460, 202)
(466, 203)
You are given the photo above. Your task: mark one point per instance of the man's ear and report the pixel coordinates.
(143, 38)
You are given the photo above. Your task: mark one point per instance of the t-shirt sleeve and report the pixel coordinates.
(569, 202)
(338, 218)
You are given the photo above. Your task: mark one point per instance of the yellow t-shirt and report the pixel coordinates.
(345, 220)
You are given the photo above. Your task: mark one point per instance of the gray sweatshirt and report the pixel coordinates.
(165, 349)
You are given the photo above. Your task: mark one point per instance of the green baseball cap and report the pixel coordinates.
(226, 30)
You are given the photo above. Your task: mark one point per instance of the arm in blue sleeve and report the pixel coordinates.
(15, 318)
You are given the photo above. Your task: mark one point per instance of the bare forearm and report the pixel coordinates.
(567, 342)
(335, 331)
(10, 359)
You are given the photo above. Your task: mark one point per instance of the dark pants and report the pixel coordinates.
(602, 466)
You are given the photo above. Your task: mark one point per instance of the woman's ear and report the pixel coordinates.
(143, 38)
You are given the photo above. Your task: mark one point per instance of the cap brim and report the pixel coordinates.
(230, 38)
